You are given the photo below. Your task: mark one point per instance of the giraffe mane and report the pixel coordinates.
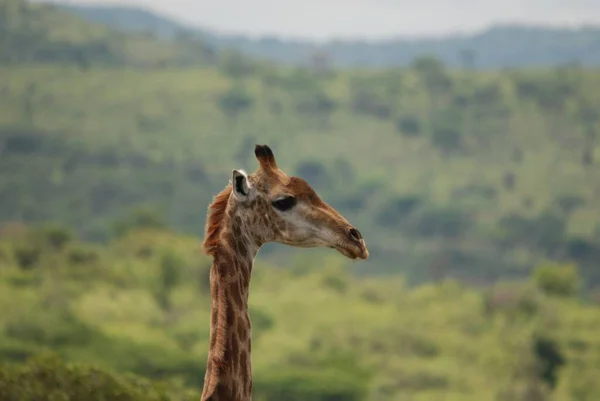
(214, 222)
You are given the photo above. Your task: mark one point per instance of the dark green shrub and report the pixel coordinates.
(27, 255)
(48, 378)
(56, 236)
(557, 280)
(82, 255)
(408, 125)
(549, 358)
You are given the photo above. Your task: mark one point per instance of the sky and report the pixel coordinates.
(365, 19)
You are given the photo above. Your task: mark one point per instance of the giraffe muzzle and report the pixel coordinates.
(355, 247)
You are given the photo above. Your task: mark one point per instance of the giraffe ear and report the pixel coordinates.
(241, 186)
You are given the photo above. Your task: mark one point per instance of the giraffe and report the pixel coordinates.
(254, 209)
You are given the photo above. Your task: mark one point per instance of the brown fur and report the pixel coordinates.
(214, 221)
(220, 332)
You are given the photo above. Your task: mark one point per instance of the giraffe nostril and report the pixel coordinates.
(355, 234)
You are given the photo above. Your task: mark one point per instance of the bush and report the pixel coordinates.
(557, 280)
(409, 126)
(56, 236)
(82, 255)
(550, 359)
(27, 255)
(49, 378)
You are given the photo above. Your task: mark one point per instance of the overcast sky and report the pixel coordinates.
(366, 19)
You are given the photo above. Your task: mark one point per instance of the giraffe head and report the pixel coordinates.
(270, 206)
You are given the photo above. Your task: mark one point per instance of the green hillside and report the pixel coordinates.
(42, 33)
(445, 172)
(141, 306)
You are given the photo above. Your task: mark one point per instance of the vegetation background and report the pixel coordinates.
(473, 178)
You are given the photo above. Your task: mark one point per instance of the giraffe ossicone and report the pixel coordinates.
(254, 209)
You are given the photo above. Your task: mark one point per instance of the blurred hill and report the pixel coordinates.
(497, 47)
(447, 172)
(40, 33)
(141, 305)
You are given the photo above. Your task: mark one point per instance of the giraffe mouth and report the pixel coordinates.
(353, 251)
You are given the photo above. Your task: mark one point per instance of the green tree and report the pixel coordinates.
(556, 279)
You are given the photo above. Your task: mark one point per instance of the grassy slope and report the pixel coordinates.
(159, 137)
(44, 33)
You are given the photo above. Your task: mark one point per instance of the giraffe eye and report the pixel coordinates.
(284, 204)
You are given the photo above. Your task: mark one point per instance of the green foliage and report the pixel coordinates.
(557, 280)
(27, 255)
(48, 378)
(298, 385)
(515, 301)
(409, 125)
(433, 73)
(52, 329)
(82, 254)
(57, 236)
(550, 360)
(473, 144)
(318, 332)
(140, 218)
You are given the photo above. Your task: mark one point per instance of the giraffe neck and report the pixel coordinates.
(229, 369)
